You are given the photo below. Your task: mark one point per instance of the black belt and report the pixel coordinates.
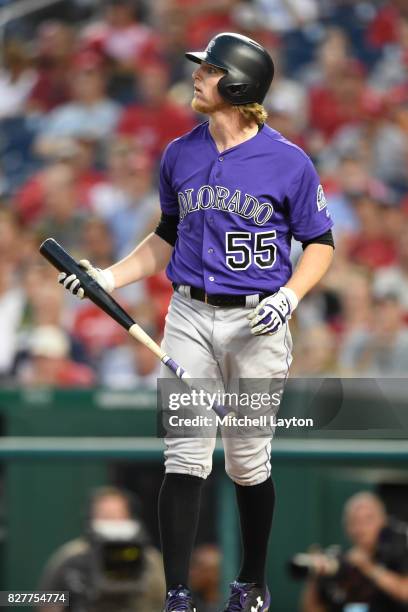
(217, 299)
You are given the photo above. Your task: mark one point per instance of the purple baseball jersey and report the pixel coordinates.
(239, 210)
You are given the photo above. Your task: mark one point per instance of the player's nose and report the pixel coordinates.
(196, 72)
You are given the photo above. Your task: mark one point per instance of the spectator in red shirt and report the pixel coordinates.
(159, 292)
(383, 28)
(371, 247)
(200, 19)
(55, 42)
(96, 331)
(157, 120)
(339, 101)
(81, 160)
(121, 36)
(77, 155)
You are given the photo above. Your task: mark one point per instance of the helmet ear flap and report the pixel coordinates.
(237, 89)
(222, 86)
(232, 92)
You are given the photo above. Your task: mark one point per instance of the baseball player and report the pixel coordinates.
(233, 193)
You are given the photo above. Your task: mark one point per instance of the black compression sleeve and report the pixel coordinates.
(167, 228)
(326, 238)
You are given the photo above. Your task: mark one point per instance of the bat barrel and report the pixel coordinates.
(63, 261)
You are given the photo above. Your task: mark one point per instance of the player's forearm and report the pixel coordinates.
(311, 268)
(151, 256)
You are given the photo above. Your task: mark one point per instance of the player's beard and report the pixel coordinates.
(206, 108)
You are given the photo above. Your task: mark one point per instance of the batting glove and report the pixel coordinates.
(272, 313)
(73, 284)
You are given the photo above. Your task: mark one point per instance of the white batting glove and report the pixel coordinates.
(73, 284)
(272, 313)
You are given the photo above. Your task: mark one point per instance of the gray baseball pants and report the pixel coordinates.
(216, 343)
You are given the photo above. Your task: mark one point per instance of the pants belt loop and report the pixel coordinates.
(185, 291)
(251, 300)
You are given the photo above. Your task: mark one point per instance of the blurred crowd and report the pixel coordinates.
(87, 105)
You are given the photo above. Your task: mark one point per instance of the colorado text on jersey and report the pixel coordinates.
(220, 198)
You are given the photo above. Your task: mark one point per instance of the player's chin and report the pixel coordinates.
(200, 105)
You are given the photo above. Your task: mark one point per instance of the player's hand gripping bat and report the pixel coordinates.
(59, 258)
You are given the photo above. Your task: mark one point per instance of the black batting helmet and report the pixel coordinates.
(248, 65)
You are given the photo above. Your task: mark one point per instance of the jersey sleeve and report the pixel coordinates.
(168, 196)
(308, 213)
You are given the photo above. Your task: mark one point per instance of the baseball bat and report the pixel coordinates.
(60, 259)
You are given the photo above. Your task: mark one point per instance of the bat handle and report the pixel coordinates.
(137, 332)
